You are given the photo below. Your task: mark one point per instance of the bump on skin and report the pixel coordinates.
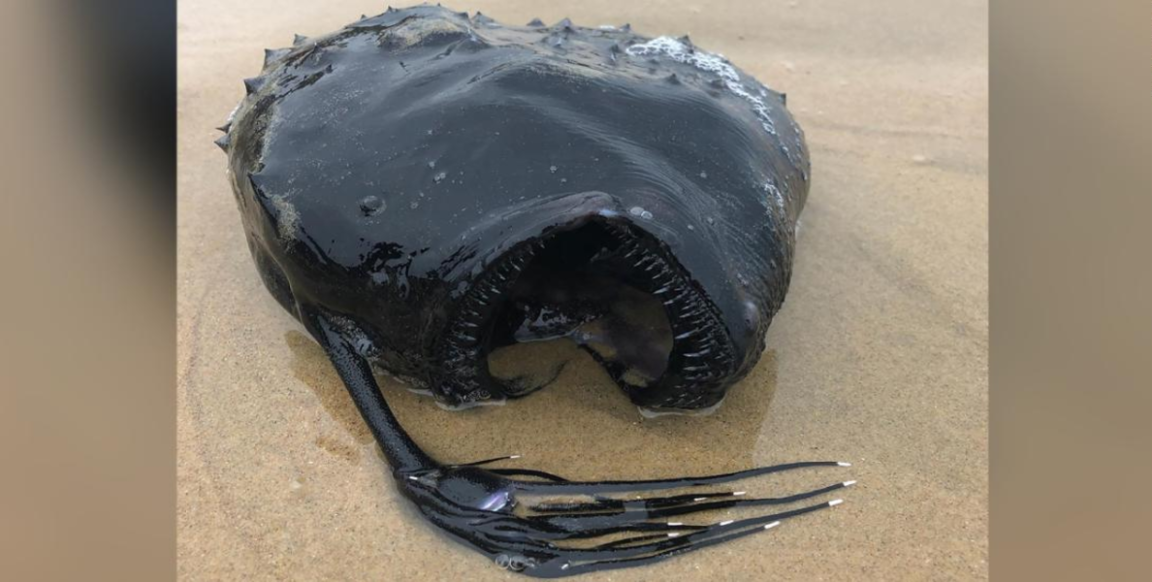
(273, 55)
(253, 84)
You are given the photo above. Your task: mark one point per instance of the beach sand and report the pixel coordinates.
(879, 356)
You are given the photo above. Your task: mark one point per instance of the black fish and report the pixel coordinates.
(421, 188)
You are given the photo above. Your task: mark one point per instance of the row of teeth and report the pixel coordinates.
(463, 347)
(687, 312)
(700, 338)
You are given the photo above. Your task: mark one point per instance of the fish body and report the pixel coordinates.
(387, 171)
(422, 188)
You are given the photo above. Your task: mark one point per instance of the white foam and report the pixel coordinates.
(471, 404)
(776, 195)
(705, 61)
(288, 218)
(651, 413)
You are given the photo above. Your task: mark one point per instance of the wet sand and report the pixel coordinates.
(879, 356)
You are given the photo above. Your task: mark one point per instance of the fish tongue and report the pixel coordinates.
(634, 335)
(625, 327)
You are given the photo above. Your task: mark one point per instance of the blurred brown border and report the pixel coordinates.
(1071, 197)
(87, 391)
(86, 386)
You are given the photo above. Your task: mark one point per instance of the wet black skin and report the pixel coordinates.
(420, 184)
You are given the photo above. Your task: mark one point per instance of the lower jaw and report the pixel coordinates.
(700, 363)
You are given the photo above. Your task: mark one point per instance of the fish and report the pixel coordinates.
(424, 187)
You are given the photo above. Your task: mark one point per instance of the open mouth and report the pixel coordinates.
(611, 288)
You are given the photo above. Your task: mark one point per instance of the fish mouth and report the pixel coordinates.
(610, 286)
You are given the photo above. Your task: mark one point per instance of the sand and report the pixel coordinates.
(879, 356)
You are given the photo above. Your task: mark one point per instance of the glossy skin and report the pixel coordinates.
(479, 506)
(398, 178)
